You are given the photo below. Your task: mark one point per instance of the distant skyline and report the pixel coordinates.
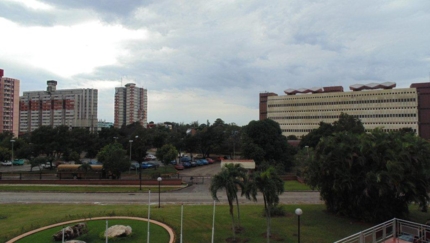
(203, 60)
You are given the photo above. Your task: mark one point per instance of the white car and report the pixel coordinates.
(150, 157)
(6, 163)
(47, 165)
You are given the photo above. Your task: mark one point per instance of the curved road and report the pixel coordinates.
(196, 194)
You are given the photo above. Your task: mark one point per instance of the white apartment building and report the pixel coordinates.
(71, 107)
(131, 105)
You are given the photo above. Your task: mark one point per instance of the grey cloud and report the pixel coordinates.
(238, 49)
(24, 16)
(108, 10)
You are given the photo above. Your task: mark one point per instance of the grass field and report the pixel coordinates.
(317, 225)
(96, 229)
(291, 186)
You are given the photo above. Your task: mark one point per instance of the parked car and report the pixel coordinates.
(186, 164)
(6, 163)
(205, 162)
(18, 162)
(149, 165)
(48, 165)
(199, 162)
(94, 162)
(150, 157)
(173, 162)
(134, 165)
(211, 161)
(179, 167)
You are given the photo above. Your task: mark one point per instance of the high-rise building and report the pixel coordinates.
(377, 106)
(9, 104)
(71, 107)
(131, 105)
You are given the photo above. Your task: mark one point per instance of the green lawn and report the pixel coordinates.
(96, 229)
(291, 186)
(317, 225)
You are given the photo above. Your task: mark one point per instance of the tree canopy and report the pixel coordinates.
(114, 159)
(263, 142)
(167, 153)
(371, 176)
(346, 123)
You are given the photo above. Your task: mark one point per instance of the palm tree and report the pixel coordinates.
(229, 178)
(271, 186)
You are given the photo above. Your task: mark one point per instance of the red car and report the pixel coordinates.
(211, 161)
(179, 167)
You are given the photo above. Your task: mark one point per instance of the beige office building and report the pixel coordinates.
(377, 106)
(70, 107)
(9, 104)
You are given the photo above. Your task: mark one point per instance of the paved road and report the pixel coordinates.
(196, 194)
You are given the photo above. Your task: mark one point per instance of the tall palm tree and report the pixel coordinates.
(229, 178)
(271, 186)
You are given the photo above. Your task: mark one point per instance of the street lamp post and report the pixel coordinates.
(159, 179)
(131, 142)
(298, 213)
(12, 141)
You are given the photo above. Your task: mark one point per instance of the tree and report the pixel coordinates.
(271, 186)
(114, 159)
(166, 154)
(37, 162)
(263, 141)
(229, 178)
(371, 176)
(74, 156)
(345, 123)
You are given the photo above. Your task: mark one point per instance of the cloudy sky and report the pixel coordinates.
(203, 60)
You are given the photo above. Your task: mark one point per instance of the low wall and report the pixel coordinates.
(164, 182)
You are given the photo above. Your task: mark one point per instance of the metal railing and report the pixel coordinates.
(392, 229)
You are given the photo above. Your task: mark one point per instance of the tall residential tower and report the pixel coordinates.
(131, 105)
(9, 104)
(70, 107)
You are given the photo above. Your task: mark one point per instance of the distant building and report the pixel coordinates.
(9, 104)
(103, 124)
(131, 105)
(377, 106)
(75, 108)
